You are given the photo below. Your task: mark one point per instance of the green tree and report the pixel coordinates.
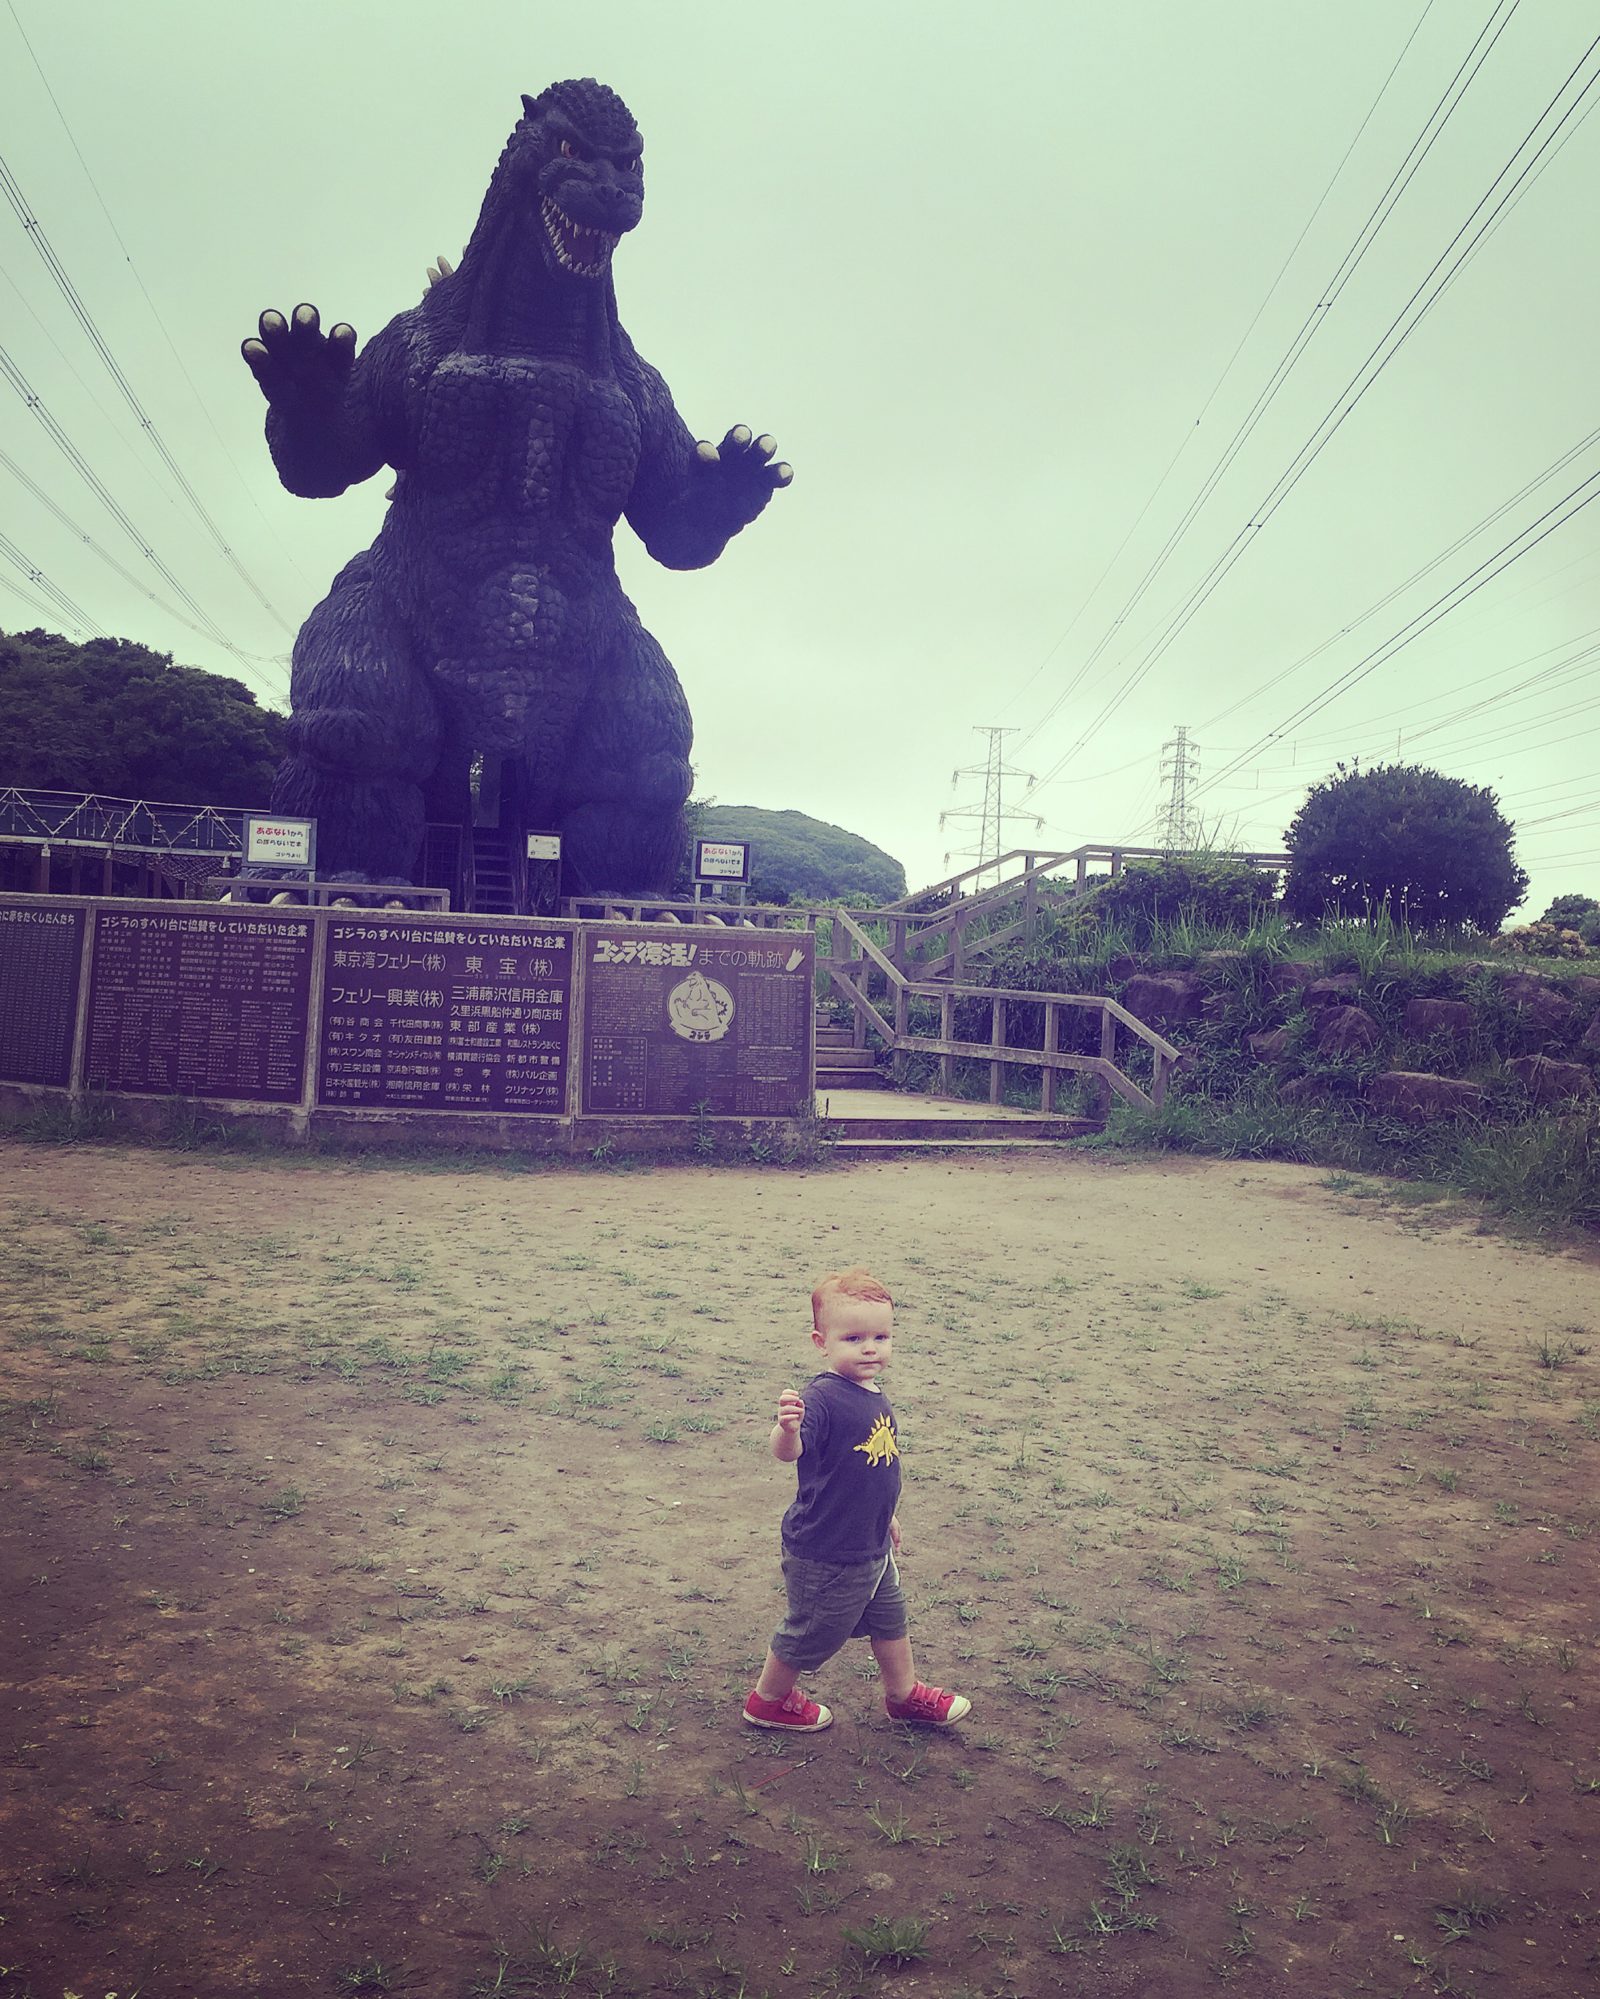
(1567, 912)
(114, 717)
(1434, 851)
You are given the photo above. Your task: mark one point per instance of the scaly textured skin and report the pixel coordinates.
(487, 617)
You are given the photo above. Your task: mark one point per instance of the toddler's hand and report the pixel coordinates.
(791, 1407)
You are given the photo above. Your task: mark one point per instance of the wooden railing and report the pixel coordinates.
(852, 976)
(977, 920)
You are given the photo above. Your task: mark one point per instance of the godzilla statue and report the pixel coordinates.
(486, 624)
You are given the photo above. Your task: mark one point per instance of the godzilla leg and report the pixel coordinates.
(363, 735)
(621, 814)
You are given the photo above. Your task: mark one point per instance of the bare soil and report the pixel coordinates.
(387, 1552)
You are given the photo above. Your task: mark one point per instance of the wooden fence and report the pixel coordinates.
(854, 972)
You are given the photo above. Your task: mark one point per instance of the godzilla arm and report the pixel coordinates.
(689, 500)
(333, 416)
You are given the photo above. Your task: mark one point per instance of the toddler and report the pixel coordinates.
(841, 1535)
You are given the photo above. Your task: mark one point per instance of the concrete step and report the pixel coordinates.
(924, 1131)
(829, 1078)
(951, 1141)
(845, 1057)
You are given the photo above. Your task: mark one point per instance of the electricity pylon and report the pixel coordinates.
(993, 814)
(1180, 763)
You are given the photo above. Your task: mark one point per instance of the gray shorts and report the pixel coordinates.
(830, 1603)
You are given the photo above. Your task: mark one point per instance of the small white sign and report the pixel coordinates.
(722, 860)
(280, 843)
(544, 846)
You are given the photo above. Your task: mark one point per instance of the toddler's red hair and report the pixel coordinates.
(852, 1283)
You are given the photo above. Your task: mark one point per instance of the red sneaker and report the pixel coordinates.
(930, 1705)
(796, 1713)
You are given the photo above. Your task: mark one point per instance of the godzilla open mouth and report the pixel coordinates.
(584, 252)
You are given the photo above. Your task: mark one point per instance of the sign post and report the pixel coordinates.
(287, 844)
(719, 862)
(544, 873)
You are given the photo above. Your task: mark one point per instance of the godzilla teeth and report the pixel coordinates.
(568, 239)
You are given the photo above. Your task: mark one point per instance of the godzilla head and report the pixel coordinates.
(577, 152)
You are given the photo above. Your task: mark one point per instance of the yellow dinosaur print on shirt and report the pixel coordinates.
(880, 1446)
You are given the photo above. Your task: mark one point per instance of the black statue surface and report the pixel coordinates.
(486, 621)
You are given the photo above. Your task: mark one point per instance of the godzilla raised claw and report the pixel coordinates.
(485, 627)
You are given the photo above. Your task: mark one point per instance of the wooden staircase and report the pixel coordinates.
(864, 1117)
(840, 1064)
(493, 892)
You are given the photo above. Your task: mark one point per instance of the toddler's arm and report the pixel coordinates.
(786, 1445)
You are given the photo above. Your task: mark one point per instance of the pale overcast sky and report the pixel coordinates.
(1004, 287)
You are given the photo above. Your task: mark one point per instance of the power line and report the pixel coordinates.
(40, 581)
(1382, 603)
(1328, 296)
(1441, 607)
(1216, 389)
(63, 283)
(1400, 329)
(63, 443)
(144, 291)
(82, 535)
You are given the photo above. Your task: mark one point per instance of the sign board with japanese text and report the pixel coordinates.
(444, 1016)
(281, 843)
(199, 1001)
(673, 1019)
(722, 860)
(544, 846)
(41, 950)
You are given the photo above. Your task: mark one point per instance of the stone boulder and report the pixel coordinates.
(1269, 1046)
(1438, 1016)
(1338, 989)
(1550, 1082)
(1584, 988)
(1347, 1030)
(1289, 975)
(1409, 1093)
(1541, 1003)
(1164, 999)
(1591, 1039)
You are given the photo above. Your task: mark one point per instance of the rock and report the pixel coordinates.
(1438, 1016)
(1409, 1093)
(1161, 999)
(1347, 1030)
(1218, 961)
(1584, 987)
(1269, 1046)
(1303, 1090)
(1549, 1082)
(1335, 990)
(1289, 975)
(1541, 1003)
(1591, 1040)
(1121, 966)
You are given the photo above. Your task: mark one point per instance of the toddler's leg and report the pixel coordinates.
(777, 1680)
(896, 1667)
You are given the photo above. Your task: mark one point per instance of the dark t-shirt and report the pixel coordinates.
(849, 1473)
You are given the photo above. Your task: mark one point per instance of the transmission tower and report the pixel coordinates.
(993, 814)
(1180, 765)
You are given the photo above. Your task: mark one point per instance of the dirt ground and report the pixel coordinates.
(387, 1551)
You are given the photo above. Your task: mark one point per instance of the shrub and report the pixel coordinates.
(1204, 890)
(1432, 850)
